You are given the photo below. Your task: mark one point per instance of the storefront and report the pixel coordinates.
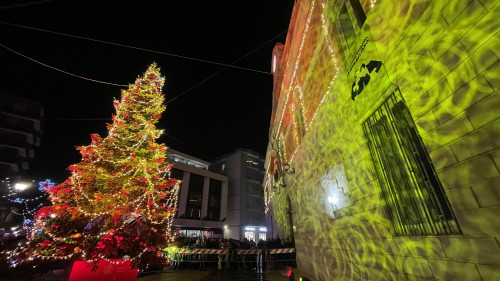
(255, 233)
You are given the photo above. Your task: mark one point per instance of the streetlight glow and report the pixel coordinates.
(333, 199)
(20, 186)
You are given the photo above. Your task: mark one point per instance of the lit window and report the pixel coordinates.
(262, 236)
(250, 235)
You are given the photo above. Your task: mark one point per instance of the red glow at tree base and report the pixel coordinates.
(106, 271)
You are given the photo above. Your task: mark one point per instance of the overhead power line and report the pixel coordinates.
(133, 47)
(25, 4)
(219, 71)
(60, 70)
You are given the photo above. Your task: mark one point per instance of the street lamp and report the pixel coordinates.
(20, 186)
(333, 199)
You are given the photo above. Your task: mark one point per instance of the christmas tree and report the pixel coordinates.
(119, 200)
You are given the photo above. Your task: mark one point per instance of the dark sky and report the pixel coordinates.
(229, 111)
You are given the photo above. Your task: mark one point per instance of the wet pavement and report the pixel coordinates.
(212, 275)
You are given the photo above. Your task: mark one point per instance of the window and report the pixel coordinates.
(250, 235)
(415, 201)
(255, 190)
(351, 19)
(256, 176)
(262, 236)
(214, 200)
(195, 195)
(176, 174)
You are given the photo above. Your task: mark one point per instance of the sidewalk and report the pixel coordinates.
(209, 275)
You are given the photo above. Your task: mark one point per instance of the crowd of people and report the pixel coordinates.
(216, 243)
(232, 259)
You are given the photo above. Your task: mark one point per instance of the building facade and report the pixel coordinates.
(202, 204)
(384, 161)
(245, 215)
(20, 133)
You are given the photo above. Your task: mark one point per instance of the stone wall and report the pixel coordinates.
(444, 58)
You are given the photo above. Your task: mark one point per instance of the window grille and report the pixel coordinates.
(415, 201)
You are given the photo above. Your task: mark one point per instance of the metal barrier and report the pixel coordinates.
(242, 259)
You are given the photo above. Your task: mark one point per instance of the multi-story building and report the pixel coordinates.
(20, 132)
(245, 213)
(384, 153)
(202, 204)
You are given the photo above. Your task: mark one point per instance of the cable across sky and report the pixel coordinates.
(134, 47)
(226, 66)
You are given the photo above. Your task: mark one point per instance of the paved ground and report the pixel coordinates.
(211, 275)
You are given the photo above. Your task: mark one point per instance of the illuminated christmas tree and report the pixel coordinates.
(119, 200)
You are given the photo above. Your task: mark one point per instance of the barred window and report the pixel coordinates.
(414, 199)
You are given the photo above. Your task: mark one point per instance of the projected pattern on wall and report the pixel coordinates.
(443, 56)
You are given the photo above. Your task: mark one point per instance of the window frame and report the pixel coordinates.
(414, 199)
(351, 17)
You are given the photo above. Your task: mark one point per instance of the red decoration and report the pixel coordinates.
(100, 245)
(46, 243)
(82, 271)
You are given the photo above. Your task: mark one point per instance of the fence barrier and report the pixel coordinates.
(281, 251)
(241, 259)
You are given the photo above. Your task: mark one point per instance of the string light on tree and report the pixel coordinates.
(119, 200)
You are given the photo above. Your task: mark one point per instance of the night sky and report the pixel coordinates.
(231, 110)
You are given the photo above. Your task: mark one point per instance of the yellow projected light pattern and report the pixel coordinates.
(437, 62)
